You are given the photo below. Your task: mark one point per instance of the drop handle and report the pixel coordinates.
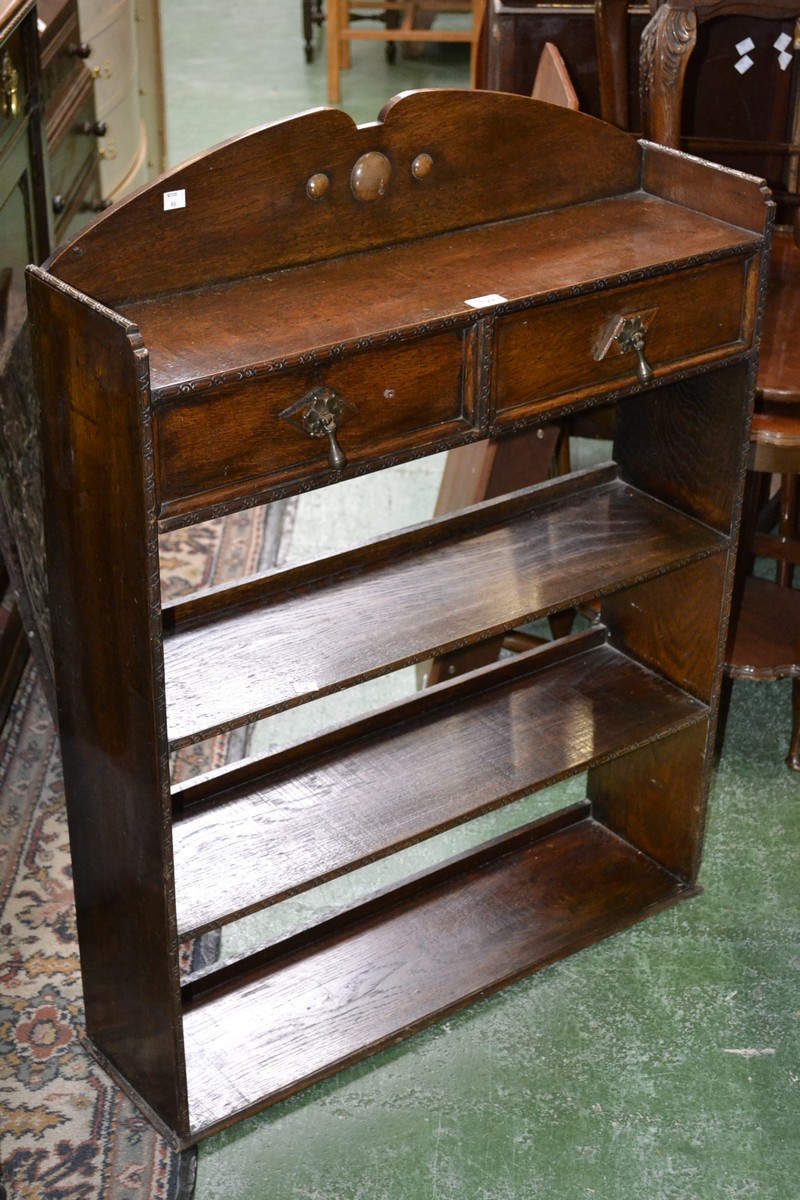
(9, 88)
(327, 428)
(321, 419)
(632, 337)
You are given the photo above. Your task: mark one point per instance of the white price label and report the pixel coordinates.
(485, 301)
(174, 200)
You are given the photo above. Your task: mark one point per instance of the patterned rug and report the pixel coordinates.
(66, 1131)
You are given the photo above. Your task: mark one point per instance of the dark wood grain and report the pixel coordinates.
(112, 736)
(258, 659)
(672, 623)
(656, 800)
(418, 775)
(767, 636)
(246, 201)
(413, 964)
(549, 352)
(398, 397)
(200, 333)
(686, 447)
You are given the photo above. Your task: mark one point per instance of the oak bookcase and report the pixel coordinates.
(299, 305)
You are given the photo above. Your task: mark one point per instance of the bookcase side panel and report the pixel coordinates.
(103, 578)
(655, 798)
(685, 443)
(672, 623)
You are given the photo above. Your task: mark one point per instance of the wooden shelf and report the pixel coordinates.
(340, 621)
(326, 999)
(412, 771)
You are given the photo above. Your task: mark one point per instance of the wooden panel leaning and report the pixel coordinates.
(457, 238)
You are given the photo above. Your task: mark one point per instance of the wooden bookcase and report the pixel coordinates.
(464, 267)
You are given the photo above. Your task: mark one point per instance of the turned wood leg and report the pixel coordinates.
(726, 692)
(787, 526)
(334, 47)
(611, 30)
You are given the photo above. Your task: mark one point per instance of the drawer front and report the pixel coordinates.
(84, 202)
(111, 35)
(74, 149)
(214, 447)
(58, 60)
(544, 357)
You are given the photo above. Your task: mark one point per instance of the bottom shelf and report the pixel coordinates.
(365, 979)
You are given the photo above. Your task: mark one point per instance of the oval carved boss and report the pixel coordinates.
(370, 176)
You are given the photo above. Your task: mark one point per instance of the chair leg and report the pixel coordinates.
(787, 526)
(793, 757)
(726, 691)
(333, 37)
(308, 31)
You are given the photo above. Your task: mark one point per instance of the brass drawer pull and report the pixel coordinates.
(626, 332)
(9, 88)
(319, 414)
(321, 420)
(631, 337)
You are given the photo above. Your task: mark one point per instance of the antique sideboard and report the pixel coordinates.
(300, 305)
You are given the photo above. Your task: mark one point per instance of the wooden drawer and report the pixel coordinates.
(120, 146)
(545, 355)
(213, 446)
(74, 146)
(62, 55)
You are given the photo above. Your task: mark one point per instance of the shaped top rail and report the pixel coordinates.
(316, 186)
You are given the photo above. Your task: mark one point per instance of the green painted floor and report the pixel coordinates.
(662, 1064)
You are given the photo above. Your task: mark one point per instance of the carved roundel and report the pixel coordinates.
(370, 176)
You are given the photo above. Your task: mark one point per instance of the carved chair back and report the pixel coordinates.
(720, 78)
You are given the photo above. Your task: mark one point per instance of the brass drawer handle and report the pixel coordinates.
(9, 88)
(319, 414)
(631, 337)
(321, 420)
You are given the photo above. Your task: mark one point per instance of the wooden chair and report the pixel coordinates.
(765, 636)
(613, 54)
(313, 14)
(341, 32)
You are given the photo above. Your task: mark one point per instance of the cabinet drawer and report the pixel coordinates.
(73, 147)
(544, 356)
(240, 437)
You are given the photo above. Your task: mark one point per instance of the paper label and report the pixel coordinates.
(744, 64)
(485, 301)
(174, 200)
(746, 46)
(783, 42)
(784, 60)
(303, 687)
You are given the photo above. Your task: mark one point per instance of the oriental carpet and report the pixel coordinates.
(66, 1130)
